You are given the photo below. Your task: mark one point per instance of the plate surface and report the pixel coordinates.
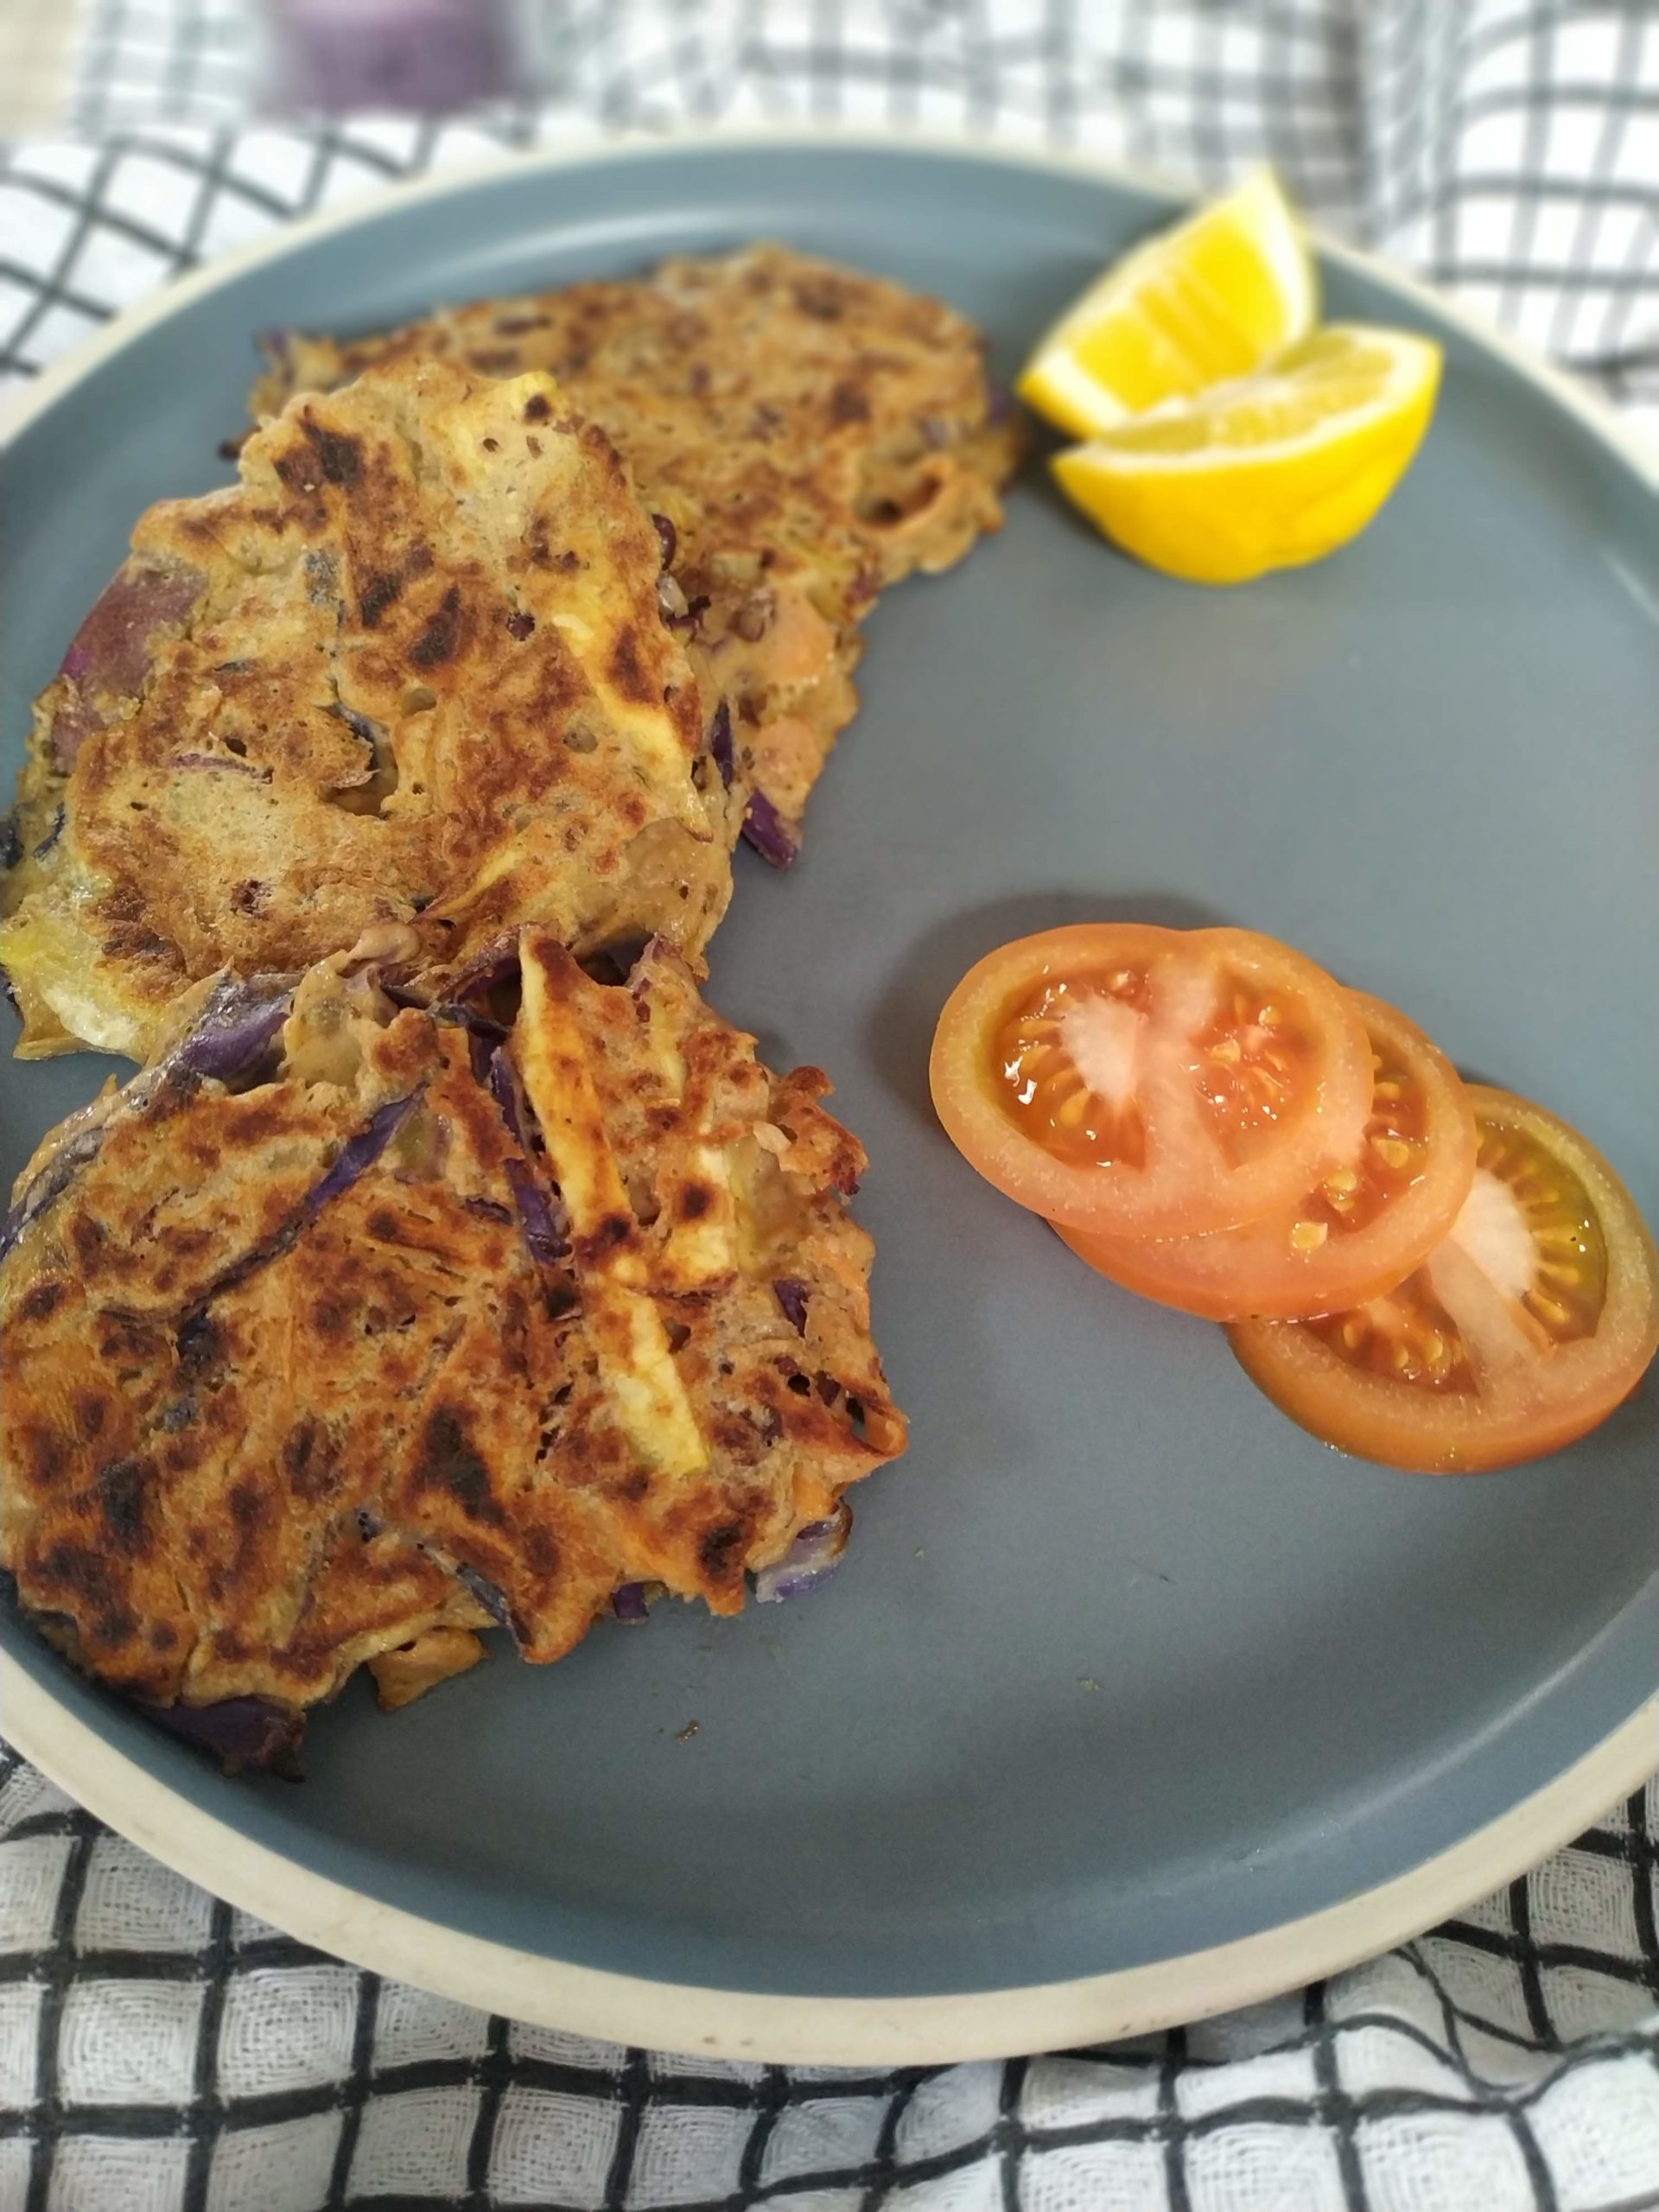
(1120, 1666)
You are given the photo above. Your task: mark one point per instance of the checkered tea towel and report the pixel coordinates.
(160, 2052)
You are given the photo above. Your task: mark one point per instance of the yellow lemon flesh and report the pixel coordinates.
(1267, 472)
(1213, 299)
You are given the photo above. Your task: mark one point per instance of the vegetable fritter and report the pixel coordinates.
(807, 434)
(415, 662)
(354, 1327)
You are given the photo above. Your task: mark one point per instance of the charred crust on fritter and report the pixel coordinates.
(720, 1550)
(341, 458)
(592, 1250)
(379, 593)
(629, 671)
(448, 1463)
(441, 637)
(42, 1301)
(308, 1461)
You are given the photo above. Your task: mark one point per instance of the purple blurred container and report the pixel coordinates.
(424, 56)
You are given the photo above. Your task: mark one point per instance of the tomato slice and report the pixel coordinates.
(1533, 1319)
(1148, 1081)
(1362, 1227)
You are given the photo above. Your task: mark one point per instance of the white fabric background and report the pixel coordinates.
(159, 2051)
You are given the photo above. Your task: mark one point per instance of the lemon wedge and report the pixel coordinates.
(1213, 299)
(1268, 471)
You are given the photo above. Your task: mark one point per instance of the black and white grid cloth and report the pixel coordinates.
(160, 2052)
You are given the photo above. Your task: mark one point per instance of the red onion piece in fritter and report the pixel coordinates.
(197, 1335)
(545, 1232)
(498, 964)
(809, 1560)
(236, 1029)
(508, 1093)
(362, 727)
(792, 1295)
(240, 1732)
(484, 1040)
(720, 744)
(767, 832)
(487, 1594)
(229, 1040)
(359, 1154)
(764, 828)
(110, 652)
(66, 1163)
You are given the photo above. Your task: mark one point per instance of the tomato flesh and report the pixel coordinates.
(1535, 1316)
(1064, 1058)
(1146, 1081)
(1366, 1223)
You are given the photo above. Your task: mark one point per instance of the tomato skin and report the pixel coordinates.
(1187, 1185)
(1520, 1410)
(1256, 1271)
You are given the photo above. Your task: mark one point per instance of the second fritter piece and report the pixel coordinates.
(809, 436)
(354, 1327)
(414, 663)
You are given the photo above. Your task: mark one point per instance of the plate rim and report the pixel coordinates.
(747, 2025)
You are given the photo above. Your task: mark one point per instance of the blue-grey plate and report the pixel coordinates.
(1122, 1673)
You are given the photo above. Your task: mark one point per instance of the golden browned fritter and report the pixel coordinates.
(808, 435)
(355, 1326)
(414, 663)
